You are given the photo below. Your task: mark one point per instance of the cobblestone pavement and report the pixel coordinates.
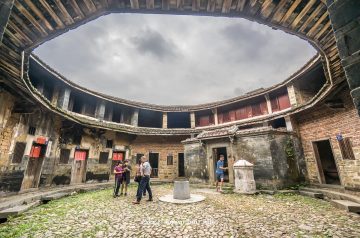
(98, 214)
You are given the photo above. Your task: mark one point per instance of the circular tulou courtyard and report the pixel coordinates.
(98, 214)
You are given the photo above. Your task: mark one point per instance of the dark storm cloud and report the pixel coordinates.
(175, 59)
(152, 42)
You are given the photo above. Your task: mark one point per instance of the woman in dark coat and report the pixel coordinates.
(125, 177)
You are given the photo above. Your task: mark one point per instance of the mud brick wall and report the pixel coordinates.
(164, 145)
(196, 162)
(322, 123)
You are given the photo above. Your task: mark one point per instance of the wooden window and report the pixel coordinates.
(103, 158)
(80, 155)
(31, 130)
(118, 156)
(256, 110)
(35, 151)
(232, 116)
(170, 159)
(284, 101)
(64, 156)
(18, 152)
(109, 144)
(346, 149)
(138, 157)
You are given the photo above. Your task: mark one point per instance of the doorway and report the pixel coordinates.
(79, 166)
(216, 155)
(181, 165)
(326, 163)
(34, 166)
(154, 162)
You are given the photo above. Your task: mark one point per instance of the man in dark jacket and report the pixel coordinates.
(126, 177)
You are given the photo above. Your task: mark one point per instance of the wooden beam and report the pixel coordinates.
(226, 6)
(31, 19)
(278, 10)
(14, 38)
(323, 29)
(39, 14)
(68, 19)
(90, 5)
(311, 17)
(20, 32)
(77, 9)
(23, 26)
(52, 13)
(315, 26)
(134, 4)
(150, 4)
(240, 5)
(264, 8)
(290, 11)
(303, 12)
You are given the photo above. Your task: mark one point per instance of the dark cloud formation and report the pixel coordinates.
(175, 59)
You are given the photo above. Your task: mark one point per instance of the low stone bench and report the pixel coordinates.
(346, 205)
(48, 198)
(17, 210)
(311, 194)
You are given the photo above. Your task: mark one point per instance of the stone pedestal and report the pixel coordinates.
(244, 177)
(181, 190)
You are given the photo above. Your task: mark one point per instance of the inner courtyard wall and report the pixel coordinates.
(324, 123)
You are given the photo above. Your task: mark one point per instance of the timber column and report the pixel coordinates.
(268, 103)
(64, 98)
(164, 120)
(135, 117)
(100, 110)
(192, 119)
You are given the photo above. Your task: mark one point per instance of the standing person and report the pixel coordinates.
(220, 173)
(138, 176)
(125, 177)
(145, 181)
(118, 171)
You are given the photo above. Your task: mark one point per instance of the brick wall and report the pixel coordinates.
(164, 145)
(321, 123)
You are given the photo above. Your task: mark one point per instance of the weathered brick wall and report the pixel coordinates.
(164, 145)
(321, 123)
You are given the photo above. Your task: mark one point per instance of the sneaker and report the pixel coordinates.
(114, 196)
(125, 194)
(121, 194)
(136, 202)
(149, 200)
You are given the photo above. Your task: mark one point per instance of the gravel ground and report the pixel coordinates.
(98, 214)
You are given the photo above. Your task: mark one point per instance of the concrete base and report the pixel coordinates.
(55, 196)
(311, 194)
(193, 198)
(14, 211)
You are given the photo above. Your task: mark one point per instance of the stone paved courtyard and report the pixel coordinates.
(97, 214)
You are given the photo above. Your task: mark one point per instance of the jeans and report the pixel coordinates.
(144, 192)
(144, 185)
(118, 181)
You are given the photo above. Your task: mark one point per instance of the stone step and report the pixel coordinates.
(311, 194)
(333, 195)
(54, 196)
(17, 210)
(346, 205)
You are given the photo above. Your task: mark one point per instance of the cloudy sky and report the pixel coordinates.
(171, 60)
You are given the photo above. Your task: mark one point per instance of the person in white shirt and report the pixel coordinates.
(145, 181)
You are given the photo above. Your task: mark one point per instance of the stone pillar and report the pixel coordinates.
(5, 10)
(292, 95)
(289, 125)
(192, 119)
(164, 120)
(244, 177)
(344, 16)
(181, 190)
(268, 103)
(55, 96)
(216, 119)
(40, 87)
(64, 98)
(135, 117)
(100, 110)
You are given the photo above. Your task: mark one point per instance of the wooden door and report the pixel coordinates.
(78, 171)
